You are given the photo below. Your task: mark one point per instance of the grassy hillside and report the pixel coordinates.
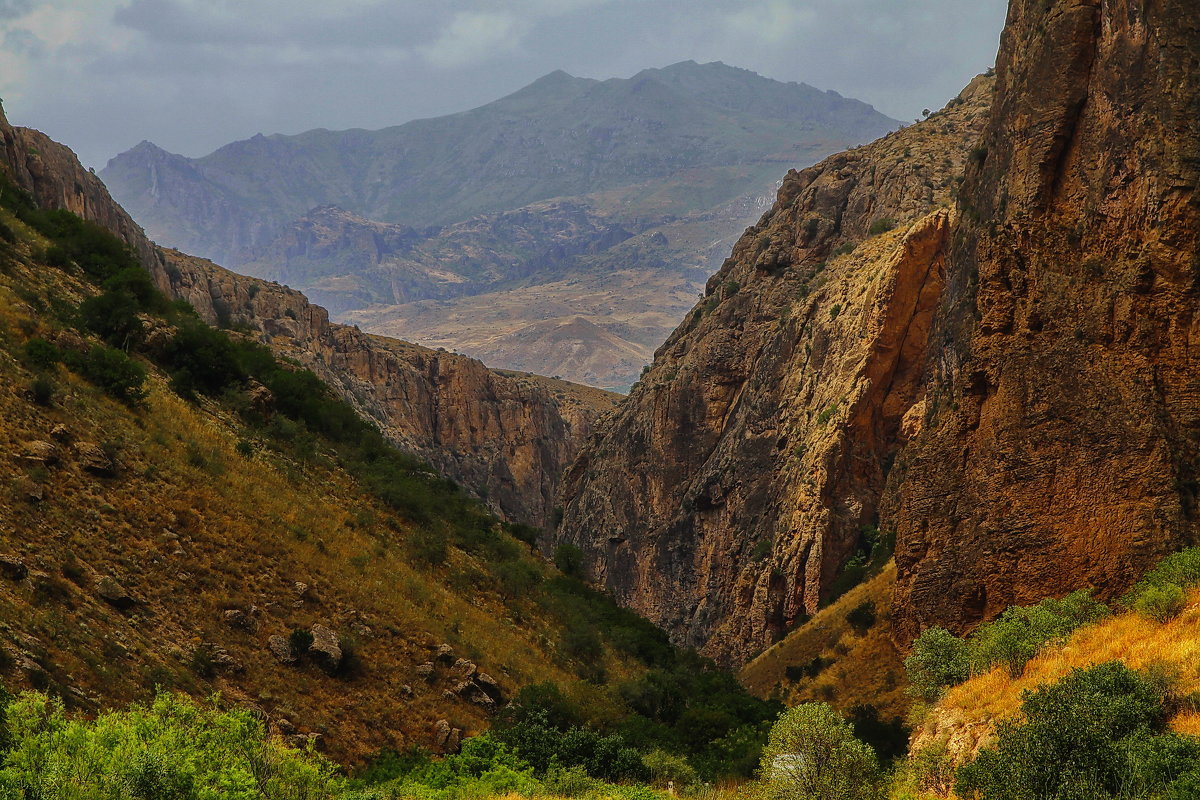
(183, 511)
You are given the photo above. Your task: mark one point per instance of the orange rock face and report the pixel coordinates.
(1060, 443)
(725, 495)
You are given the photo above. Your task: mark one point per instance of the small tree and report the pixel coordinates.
(812, 755)
(939, 659)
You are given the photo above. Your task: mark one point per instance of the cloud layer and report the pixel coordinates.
(191, 75)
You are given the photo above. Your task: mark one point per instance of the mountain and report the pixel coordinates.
(535, 187)
(211, 490)
(506, 438)
(970, 336)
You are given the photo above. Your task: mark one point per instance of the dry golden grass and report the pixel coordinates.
(866, 669)
(192, 528)
(969, 712)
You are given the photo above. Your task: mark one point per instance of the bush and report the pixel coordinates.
(667, 769)
(113, 371)
(862, 617)
(1161, 603)
(1020, 632)
(881, 225)
(569, 560)
(41, 391)
(1161, 594)
(812, 755)
(113, 316)
(40, 354)
(939, 659)
(299, 640)
(173, 748)
(1097, 733)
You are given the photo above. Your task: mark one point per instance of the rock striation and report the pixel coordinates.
(505, 437)
(1008, 384)
(723, 497)
(1060, 444)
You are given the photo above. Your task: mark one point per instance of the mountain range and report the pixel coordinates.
(570, 201)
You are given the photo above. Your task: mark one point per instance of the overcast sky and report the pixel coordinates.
(191, 75)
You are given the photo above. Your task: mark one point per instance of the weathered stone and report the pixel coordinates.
(281, 649)
(446, 739)
(444, 654)
(93, 459)
(425, 670)
(326, 648)
(241, 620)
(474, 693)
(40, 452)
(61, 434)
(464, 669)
(489, 685)
(112, 592)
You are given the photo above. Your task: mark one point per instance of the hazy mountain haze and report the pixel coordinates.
(191, 75)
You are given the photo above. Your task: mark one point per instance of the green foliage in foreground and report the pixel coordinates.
(812, 755)
(173, 749)
(940, 660)
(1098, 733)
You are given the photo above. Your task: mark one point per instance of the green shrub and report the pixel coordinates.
(881, 225)
(861, 617)
(1097, 733)
(299, 640)
(113, 316)
(173, 748)
(113, 371)
(1021, 632)
(1161, 603)
(569, 559)
(1162, 592)
(40, 354)
(668, 769)
(41, 390)
(812, 754)
(939, 660)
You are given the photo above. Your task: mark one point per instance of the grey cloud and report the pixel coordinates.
(201, 73)
(10, 9)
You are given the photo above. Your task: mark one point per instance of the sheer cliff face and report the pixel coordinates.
(723, 497)
(506, 437)
(1061, 441)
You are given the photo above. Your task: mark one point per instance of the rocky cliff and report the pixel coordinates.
(506, 437)
(1060, 442)
(723, 498)
(1007, 384)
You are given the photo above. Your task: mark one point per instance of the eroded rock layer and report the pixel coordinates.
(1060, 444)
(726, 493)
(507, 437)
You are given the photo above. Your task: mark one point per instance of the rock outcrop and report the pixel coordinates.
(1010, 386)
(508, 438)
(1060, 446)
(727, 492)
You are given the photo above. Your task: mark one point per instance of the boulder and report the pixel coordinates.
(326, 648)
(40, 453)
(464, 669)
(281, 649)
(61, 434)
(489, 685)
(425, 670)
(446, 739)
(113, 593)
(93, 459)
(473, 693)
(444, 653)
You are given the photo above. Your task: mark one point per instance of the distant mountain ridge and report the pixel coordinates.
(629, 154)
